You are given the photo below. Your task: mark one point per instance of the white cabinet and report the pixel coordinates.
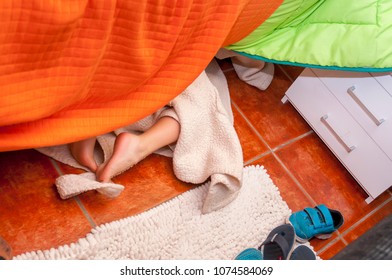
(352, 113)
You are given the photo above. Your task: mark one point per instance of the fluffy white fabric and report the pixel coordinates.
(177, 229)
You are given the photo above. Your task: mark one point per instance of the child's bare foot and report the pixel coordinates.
(128, 151)
(83, 152)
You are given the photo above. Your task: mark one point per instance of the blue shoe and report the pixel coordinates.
(250, 254)
(318, 222)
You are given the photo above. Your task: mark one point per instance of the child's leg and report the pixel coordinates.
(83, 152)
(129, 148)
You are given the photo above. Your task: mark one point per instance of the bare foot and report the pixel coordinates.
(83, 152)
(128, 151)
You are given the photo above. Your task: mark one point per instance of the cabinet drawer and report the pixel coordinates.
(341, 133)
(363, 96)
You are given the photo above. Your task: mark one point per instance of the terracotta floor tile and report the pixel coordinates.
(318, 244)
(66, 169)
(32, 215)
(332, 250)
(326, 180)
(250, 142)
(292, 71)
(367, 224)
(276, 122)
(290, 192)
(147, 184)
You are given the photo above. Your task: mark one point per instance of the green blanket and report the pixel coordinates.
(351, 35)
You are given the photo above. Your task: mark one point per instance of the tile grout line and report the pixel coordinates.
(302, 189)
(292, 140)
(330, 244)
(353, 226)
(85, 212)
(286, 74)
(257, 157)
(291, 175)
(77, 200)
(288, 143)
(342, 238)
(367, 216)
(251, 126)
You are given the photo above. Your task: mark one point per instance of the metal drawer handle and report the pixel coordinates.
(362, 103)
(339, 135)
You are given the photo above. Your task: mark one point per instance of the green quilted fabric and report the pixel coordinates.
(339, 34)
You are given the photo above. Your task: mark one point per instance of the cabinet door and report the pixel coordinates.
(341, 133)
(368, 101)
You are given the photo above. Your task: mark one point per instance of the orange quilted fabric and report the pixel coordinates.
(72, 69)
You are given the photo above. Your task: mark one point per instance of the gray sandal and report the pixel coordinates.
(279, 243)
(302, 252)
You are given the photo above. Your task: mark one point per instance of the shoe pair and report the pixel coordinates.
(303, 225)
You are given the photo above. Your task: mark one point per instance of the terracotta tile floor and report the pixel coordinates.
(33, 217)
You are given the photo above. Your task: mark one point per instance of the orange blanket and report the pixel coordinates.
(72, 69)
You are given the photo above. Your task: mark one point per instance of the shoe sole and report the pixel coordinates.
(321, 236)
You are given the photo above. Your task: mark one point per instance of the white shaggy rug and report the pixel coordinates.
(177, 230)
